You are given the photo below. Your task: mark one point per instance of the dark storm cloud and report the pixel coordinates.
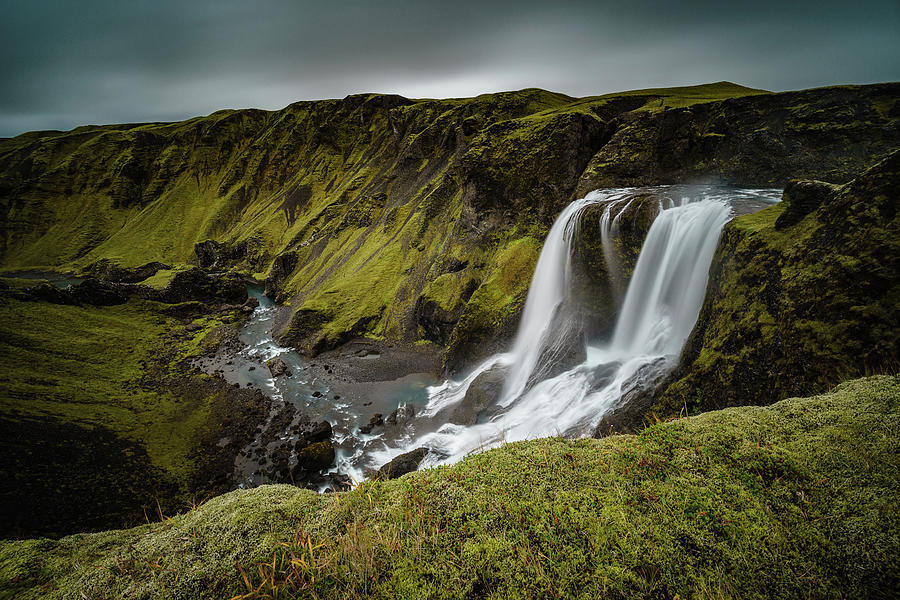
(67, 63)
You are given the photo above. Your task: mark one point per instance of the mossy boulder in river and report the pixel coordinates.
(802, 295)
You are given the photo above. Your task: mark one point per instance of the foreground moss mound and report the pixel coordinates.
(795, 500)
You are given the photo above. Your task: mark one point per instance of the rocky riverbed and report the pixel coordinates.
(328, 412)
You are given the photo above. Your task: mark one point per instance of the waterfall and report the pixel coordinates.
(669, 281)
(549, 289)
(660, 307)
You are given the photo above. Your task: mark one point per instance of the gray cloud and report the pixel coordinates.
(98, 61)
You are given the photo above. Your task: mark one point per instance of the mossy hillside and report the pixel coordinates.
(753, 139)
(83, 381)
(795, 308)
(793, 500)
(369, 182)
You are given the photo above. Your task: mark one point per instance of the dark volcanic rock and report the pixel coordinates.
(826, 133)
(403, 464)
(282, 266)
(207, 253)
(98, 293)
(277, 367)
(108, 270)
(482, 393)
(48, 292)
(376, 421)
(313, 459)
(196, 284)
(801, 197)
(401, 416)
(311, 433)
(599, 282)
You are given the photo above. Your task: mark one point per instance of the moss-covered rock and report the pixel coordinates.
(799, 299)
(755, 140)
(792, 500)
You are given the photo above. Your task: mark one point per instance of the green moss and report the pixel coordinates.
(371, 190)
(114, 371)
(793, 500)
(163, 277)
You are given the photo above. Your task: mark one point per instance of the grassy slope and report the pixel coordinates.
(371, 192)
(57, 363)
(113, 371)
(794, 500)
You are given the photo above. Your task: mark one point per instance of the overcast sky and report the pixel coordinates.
(74, 62)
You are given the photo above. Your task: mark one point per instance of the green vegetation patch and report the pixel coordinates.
(794, 500)
(118, 407)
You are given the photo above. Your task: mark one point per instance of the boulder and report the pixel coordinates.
(312, 433)
(313, 459)
(801, 197)
(401, 416)
(403, 464)
(377, 420)
(277, 367)
(98, 293)
(484, 391)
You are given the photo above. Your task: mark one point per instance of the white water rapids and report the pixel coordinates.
(657, 314)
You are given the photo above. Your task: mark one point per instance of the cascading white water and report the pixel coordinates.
(660, 308)
(546, 294)
(669, 281)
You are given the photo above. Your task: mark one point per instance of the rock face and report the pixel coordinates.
(403, 464)
(110, 271)
(755, 140)
(801, 197)
(196, 284)
(794, 305)
(600, 281)
(192, 285)
(281, 267)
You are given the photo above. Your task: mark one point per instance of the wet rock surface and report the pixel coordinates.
(277, 367)
(403, 464)
(483, 392)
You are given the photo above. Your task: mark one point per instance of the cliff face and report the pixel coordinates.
(802, 295)
(418, 220)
